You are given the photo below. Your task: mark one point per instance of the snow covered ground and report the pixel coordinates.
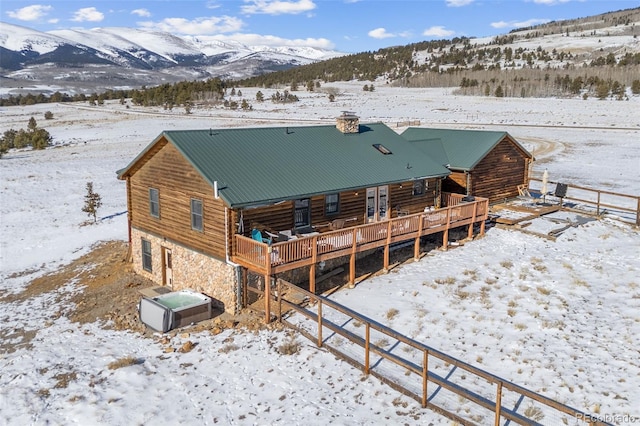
(561, 318)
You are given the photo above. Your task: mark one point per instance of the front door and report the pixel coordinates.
(377, 204)
(167, 261)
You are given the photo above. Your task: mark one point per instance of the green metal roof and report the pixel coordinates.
(462, 149)
(269, 164)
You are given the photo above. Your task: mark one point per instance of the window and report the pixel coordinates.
(196, 214)
(302, 213)
(154, 203)
(331, 203)
(146, 255)
(419, 187)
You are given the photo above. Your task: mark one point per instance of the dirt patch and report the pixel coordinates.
(109, 292)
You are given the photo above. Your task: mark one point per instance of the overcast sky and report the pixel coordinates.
(349, 26)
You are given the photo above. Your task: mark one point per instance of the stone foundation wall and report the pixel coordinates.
(191, 270)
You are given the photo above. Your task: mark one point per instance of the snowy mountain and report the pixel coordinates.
(27, 54)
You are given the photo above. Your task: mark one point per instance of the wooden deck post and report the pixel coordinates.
(473, 220)
(267, 286)
(385, 267)
(245, 286)
(267, 298)
(445, 234)
(279, 282)
(484, 217)
(352, 259)
(312, 268)
(416, 244)
(312, 278)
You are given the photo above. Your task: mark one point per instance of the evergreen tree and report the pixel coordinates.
(40, 139)
(602, 90)
(259, 96)
(92, 202)
(499, 92)
(8, 138)
(48, 115)
(32, 125)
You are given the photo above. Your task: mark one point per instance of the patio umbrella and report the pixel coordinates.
(545, 182)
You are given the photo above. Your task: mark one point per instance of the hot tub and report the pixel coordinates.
(174, 310)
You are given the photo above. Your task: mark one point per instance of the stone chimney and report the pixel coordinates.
(348, 122)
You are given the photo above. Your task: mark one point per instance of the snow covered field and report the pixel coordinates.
(561, 318)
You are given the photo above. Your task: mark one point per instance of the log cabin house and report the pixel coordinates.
(206, 208)
(483, 163)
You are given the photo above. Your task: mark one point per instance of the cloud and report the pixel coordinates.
(198, 26)
(519, 24)
(212, 4)
(380, 33)
(30, 13)
(438, 31)
(141, 12)
(458, 3)
(277, 7)
(550, 2)
(90, 14)
(267, 40)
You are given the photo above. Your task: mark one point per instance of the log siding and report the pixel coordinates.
(279, 217)
(495, 177)
(177, 183)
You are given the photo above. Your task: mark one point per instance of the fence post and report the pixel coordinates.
(638, 213)
(319, 322)
(598, 205)
(425, 377)
(498, 404)
(366, 348)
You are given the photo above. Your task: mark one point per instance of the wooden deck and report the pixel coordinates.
(279, 257)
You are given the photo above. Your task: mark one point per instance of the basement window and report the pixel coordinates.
(383, 149)
(147, 262)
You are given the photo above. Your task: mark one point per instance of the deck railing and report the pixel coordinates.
(307, 250)
(625, 207)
